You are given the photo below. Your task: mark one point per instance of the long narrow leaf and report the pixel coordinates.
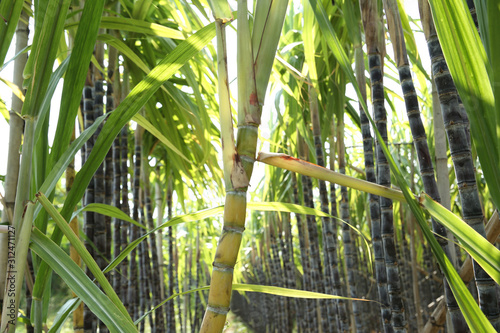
(84, 254)
(80, 284)
(125, 111)
(139, 26)
(487, 255)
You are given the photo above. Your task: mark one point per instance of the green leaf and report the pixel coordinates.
(59, 168)
(75, 78)
(200, 215)
(108, 211)
(473, 315)
(285, 207)
(125, 50)
(277, 291)
(139, 26)
(10, 11)
(123, 113)
(63, 313)
(485, 253)
(80, 284)
(43, 55)
(153, 130)
(84, 254)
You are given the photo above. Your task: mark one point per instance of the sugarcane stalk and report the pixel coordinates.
(15, 135)
(133, 287)
(171, 263)
(311, 268)
(420, 142)
(330, 244)
(238, 161)
(461, 156)
(350, 255)
(374, 200)
(157, 276)
(303, 323)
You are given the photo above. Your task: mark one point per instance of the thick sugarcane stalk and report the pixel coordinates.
(116, 155)
(89, 319)
(159, 236)
(16, 125)
(288, 268)
(278, 271)
(198, 307)
(109, 166)
(171, 263)
(462, 160)
(420, 142)
(330, 246)
(145, 276)
(133, 282)
(156, 273)
(374, 200)
(303, 323)
(124, 207)
(350, 256)
(376, 50)
(314, 248)
(176, 282)
(99, 186)
(342, 311)
(311, 242)
(253, 76)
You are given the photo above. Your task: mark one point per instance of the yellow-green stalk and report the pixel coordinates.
(235, 205)
(256, 54)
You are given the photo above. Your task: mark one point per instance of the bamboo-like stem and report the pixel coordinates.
(124, 228)
(145, 265)
(171, 262)
(420, 142)
(99, 231)
(159, 236)
(304, 255)
(198, 307)
(442, 179)
(330, 244)
(235, 204)
(238, 163)
(374, 200)
(372, 21)
(116, 151)
(312, 267)
(133, 283)
(156, 274)
(89, 319)
(350, 255)
(15, 134)
(312, 170)
(456, 131)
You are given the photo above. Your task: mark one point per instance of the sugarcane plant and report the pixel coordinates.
(256, 51)
(181, 117)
